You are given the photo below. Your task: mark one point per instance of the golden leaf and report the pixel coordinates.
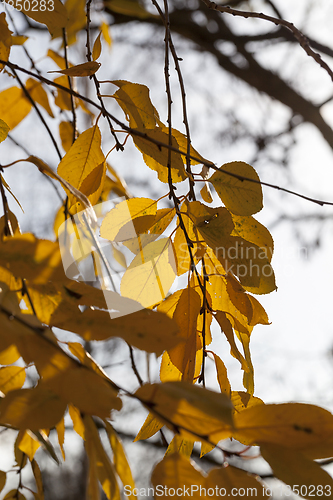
(85, 69)
(149, 428)
(150, 275)
(97, 48)
(304, 476)
(240, 196)
(83, 166)
(37, 408)
(38, 94)
(189, 409)
(11, 377)
(302, 427)
(4, 129)
(6, 39)
(14, 106)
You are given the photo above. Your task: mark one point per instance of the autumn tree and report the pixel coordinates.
(163, 275)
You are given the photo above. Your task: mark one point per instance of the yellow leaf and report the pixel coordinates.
(151, 273)
(63, 99)
(28, 444)
(157, 158)
(83, 166)
(3, 478)
(240, 196)
(105, 469)
(301, 427)
(144, 329)
(85, 69)
(78, 424)
(120, 461)
(37, 408)
(54, 15)
(235, 483)
(206, 193)
(38, 478)
(4, 129)
(251, 230)
(134, 100)
(305, 477)
(9, 356)
(129, 219)
(66, 135)
(6, 39)
(222, 376)
(38, 94)
(128, 8)
(189, 409)
(59, 60)
(242, 400)
(28, 257)
(106, 33)
(14, 106)
(45, 298)
(10, 191)
(8, 225)
(186, 315)
(181, 446)
(11, 377)
(60, 427)
(149, 428)
(77, 20)
(97, 48)
(226, 328)
(14, 495)
(19, 39)
(86, 390)
(176, 473)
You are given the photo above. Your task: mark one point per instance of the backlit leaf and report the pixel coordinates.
(105, 469)
(251, 230)
(120, 461)
(60, 427)
(63, 99)
(144, 329)
(234, 482)
(156, 156)
(5, 39)
(294, 469)
(129, 219)
(66, 135)
(85, 69)
(240, 196)
(301, 427)
(151, 273)
(242, 400)
(189, 409)
(78, 424)
(134, 100)
(38, 94)
(97, 48)
(149, 428)
(77, 20)
(11, 377)
(28, 257)
(28, 444)
(37, 408)
(175, 471)
(3, 478)
(83, 166)
(38, 478)
(14, 106)
(222, 376)
(4, 129)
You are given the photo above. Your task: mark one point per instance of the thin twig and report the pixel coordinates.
(300, 37)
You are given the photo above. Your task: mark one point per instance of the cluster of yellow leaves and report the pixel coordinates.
(225, 251)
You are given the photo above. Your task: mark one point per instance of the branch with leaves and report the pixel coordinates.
(136, 251)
